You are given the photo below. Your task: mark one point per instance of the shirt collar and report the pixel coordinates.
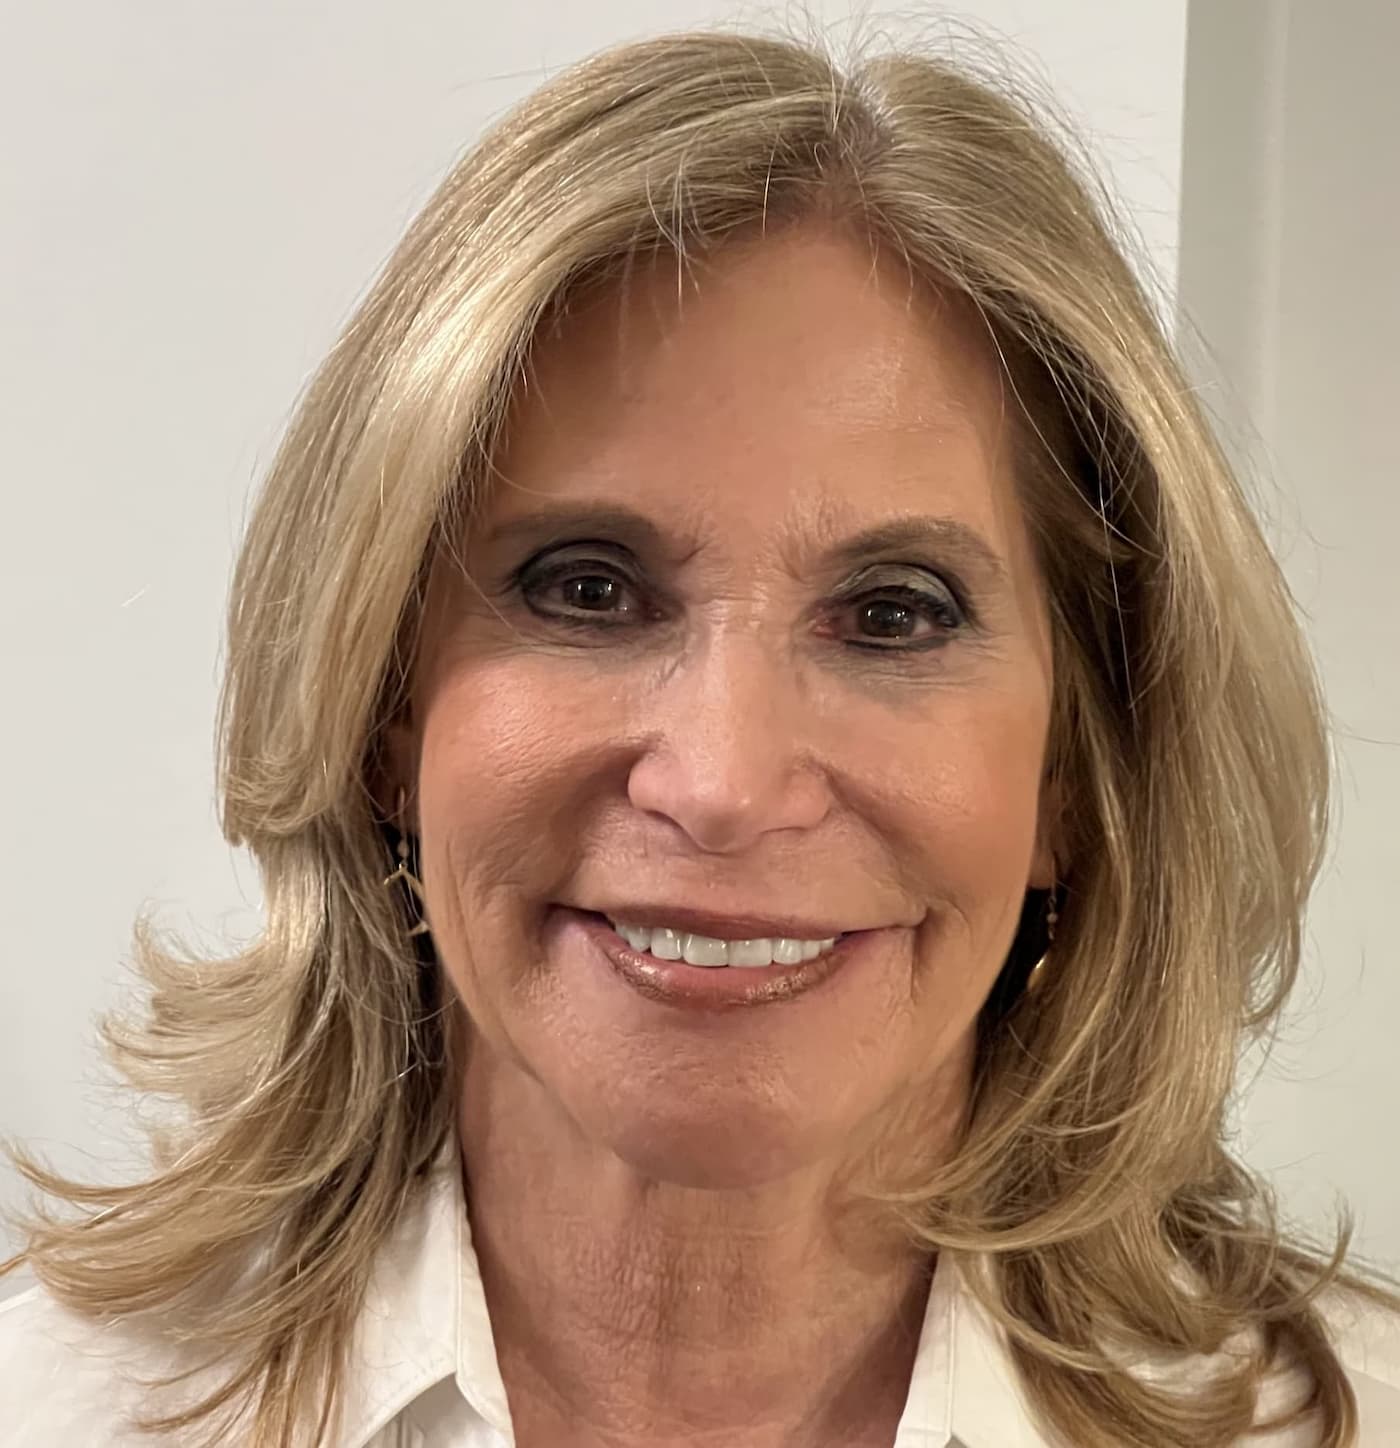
(424, 1319)
(404, 1337)
(963, 1392)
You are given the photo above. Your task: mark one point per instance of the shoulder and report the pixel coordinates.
(1364, 1333)
(1366, 1336)
(62, 1379)
(69, 1379)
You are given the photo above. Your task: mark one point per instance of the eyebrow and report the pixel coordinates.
(949, 537)
(623, 524)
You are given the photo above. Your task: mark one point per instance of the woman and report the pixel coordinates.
(852, 775)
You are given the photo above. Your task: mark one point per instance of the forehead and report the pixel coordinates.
(803, 372)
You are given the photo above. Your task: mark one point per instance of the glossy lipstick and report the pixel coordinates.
(698, 987)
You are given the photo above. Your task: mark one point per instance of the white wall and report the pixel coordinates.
(195, 195)
(1290, 268)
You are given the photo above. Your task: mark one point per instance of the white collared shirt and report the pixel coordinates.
(423, 1372)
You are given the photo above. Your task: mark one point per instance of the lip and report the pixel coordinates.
(721, 927)
(707, 988)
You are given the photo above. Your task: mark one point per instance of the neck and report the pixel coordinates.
(631, 1311)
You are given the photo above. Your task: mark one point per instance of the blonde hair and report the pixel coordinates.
(1094, 1194)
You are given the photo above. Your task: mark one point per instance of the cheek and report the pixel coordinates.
(972, 791)
(484, 746)
(499, 744)
(503, 763)
(516, 752)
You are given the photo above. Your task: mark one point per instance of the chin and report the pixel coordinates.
(732, 1154)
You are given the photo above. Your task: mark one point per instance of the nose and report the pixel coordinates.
(727, 759)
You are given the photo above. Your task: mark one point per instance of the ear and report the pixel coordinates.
(1048, 856)
(397, 771)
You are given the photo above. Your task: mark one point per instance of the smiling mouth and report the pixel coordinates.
(664, 942)
(661, 971)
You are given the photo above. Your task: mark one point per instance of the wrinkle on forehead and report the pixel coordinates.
(635, 342)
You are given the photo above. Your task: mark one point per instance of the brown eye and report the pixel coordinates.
(900, 618)
(581, 591)
(887, 619)
(592, 592)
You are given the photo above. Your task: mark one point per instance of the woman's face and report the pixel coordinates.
(747, 644)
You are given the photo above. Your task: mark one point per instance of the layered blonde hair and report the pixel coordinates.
(1094, 1194)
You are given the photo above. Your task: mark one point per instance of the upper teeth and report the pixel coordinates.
(668, 944)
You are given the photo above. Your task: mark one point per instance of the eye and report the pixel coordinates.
(581, 590)
(900, 617)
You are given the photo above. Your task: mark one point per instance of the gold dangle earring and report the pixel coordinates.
(1037, 976)
(405, 874)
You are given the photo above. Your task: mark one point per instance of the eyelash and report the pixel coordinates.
(531, 580)
(932, 607)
